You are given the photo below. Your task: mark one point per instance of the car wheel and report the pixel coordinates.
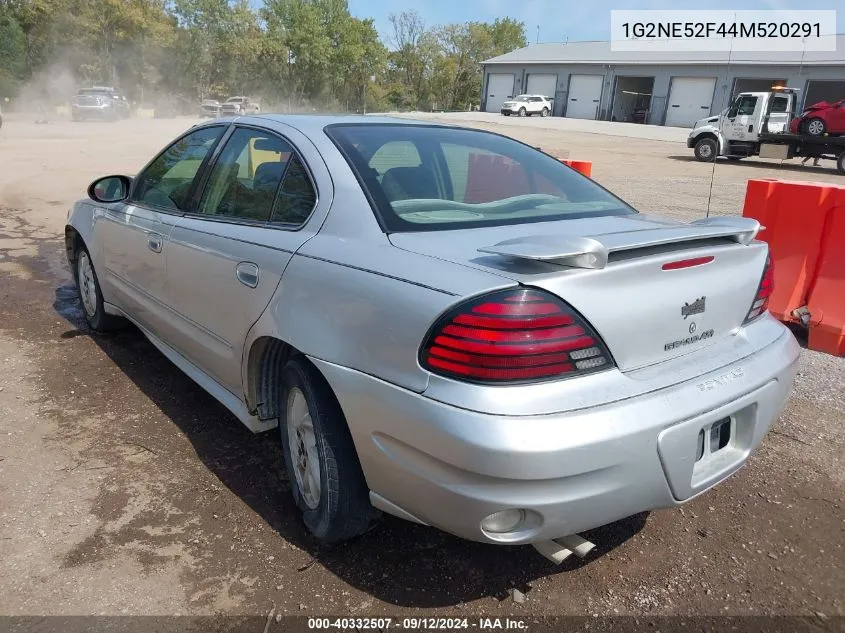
(506, 113)
(325, 475)
(705, 150)
(840, 163)
(545, 112)
(91, 295)
(522, 112)
(815, 127)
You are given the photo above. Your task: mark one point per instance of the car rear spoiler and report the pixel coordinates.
(593, 251)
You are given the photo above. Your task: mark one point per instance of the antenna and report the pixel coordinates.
(716, 153)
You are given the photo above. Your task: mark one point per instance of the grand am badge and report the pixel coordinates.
(689, 340)
(696, 307)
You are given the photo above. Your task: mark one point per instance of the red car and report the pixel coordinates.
(820, 118)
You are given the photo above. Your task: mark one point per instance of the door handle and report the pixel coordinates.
(154, 241)
(247, 274)
(750, 128)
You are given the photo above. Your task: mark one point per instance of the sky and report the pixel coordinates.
(559, 20)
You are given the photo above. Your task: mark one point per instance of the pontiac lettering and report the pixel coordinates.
(689, 340)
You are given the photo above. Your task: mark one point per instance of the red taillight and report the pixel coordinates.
(764, 291)
(513, 336)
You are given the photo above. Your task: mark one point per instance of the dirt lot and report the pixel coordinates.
(124, 489)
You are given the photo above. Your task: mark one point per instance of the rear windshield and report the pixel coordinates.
(422, 177)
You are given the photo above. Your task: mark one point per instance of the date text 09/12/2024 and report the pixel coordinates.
(417, 624)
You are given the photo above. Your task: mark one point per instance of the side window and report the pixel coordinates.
(246, 176)
(779, 104)
(747, 106)
(297, 197)
(168, 179)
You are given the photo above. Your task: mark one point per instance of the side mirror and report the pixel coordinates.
(109, 189)
(732, 113)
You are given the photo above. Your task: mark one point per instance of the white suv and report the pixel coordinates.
(526, 105)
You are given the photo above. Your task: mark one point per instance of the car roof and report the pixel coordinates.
(314, 124)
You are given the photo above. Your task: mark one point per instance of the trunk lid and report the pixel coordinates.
(621, 274)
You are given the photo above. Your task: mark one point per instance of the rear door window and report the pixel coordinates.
(246, 176)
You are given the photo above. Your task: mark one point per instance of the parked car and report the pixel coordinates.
(820, 119)
(100, 102)
(527, 105)
(240, 105)
(210, 108)
(442, 323)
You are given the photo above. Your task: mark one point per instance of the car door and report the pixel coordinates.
(134, 234)
(778, 114)
(227, 259)
(739, 124)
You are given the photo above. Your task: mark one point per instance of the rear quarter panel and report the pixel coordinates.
(366, 305)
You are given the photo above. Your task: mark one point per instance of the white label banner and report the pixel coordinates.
(723, 30)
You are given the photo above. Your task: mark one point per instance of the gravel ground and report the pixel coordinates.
(124, 489)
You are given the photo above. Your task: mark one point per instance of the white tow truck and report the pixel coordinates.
(759, 124)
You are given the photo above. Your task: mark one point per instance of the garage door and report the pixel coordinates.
(584, 96)
(689, 100)
(499, 88)
(545, 85)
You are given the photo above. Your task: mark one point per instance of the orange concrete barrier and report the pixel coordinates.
(805, 229)
(793, 214)
(826, 303)
(584, 166)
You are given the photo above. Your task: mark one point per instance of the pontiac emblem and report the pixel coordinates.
(696, 307)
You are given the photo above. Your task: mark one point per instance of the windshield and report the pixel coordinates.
(521, 98)
(423, 177)
(235, 100)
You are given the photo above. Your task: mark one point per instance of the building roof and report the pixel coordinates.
(600, 53)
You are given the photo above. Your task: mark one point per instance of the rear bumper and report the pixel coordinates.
(450, 468)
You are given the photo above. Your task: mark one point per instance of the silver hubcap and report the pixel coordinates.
(815, 127)
(87, 285)
(705, 151)
(303, 448)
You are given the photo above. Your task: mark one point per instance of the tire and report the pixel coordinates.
(91, 295)
(332, 493)
(545, 112)
(706, 150)
(840, 163)
(522, 112)
(815, 127)
(506, 113)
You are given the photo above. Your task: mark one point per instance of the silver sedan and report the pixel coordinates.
(443, 324)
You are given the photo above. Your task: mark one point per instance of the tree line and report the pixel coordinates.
(301, 53)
